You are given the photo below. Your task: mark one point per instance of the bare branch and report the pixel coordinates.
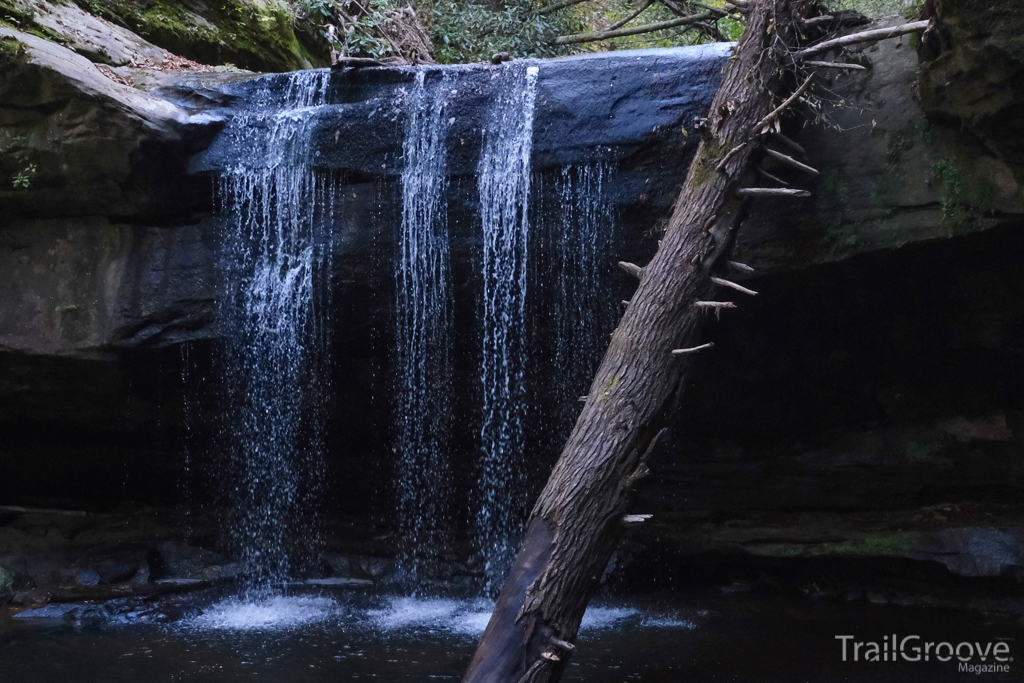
(633, 269)
(864, 37)
(771, 192)
(554, 7)
(742, 267)
(732, 285)
(835, 65)
(764, 123)
(793, 145)
(769, 176)
(693, 349)
(635, 30)
(790, 161)
(622, 22)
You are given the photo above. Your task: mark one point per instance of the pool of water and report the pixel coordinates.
(337, 635)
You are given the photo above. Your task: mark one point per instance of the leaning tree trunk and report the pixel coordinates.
(581, 514)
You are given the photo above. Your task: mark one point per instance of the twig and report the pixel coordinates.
(771, 192)
(764, 123)
(632, 520)
(835, 65)
(554, 7)
(772, 178)
(692, 349)
(742, 267)
(645, 28)
(732, 285)
(714, 304)
(631, 268)
(793, 145)
(622, 22)
(799, 165)
(864, 37)
(741, 5)
(675, 8)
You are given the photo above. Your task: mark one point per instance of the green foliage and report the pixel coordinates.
(470, 32)
(10, 48)
(23, 178)
(363, 38)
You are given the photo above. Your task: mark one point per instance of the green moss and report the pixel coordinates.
(954, 206)
(704, 168)
(895, 543)
(6, 579)
(9, 47)
(20, 17)
(253, 35)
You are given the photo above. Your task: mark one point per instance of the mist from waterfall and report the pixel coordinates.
(423, 320)
(276, 219)
(504, 189)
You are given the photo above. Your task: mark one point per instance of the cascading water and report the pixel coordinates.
(580, 245)
(504, 187)
(276, 211)
(423, 318)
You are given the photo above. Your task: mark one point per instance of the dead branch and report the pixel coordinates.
(635, 30)
(835, 65)
(554, 7)
(633, 15)
(763, 124)
(864, 37)
(771, 192)
(732, 285)
(692, 349)
(790, 161)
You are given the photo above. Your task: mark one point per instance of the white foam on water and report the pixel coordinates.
(465, 618)
(605, 617)
(271, 614)
(434, 614)
(668, 622)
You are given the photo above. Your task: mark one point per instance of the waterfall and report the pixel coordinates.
(423, 319)
(579, 245)
(276, 217)
(504, 187)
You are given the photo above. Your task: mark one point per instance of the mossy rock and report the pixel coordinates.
(6, 579)
(258, 35)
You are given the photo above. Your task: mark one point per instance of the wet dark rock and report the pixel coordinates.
(116, 570)
(47, 612)
(974, 74)
(33, 598)
(86, 577)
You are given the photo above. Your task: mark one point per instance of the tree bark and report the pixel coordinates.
(579, 518)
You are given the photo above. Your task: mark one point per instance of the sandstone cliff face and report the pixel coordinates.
(889, 303)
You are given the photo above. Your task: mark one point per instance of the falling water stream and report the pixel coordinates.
(423, 320)
(504, 186)
(274, 206)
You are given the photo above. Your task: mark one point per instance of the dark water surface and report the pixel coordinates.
(339, 636)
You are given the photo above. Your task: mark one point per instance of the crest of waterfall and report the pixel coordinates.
(504, 188)
(423, 319)
(276, 221)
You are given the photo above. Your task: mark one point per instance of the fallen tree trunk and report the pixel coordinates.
(580, 516)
